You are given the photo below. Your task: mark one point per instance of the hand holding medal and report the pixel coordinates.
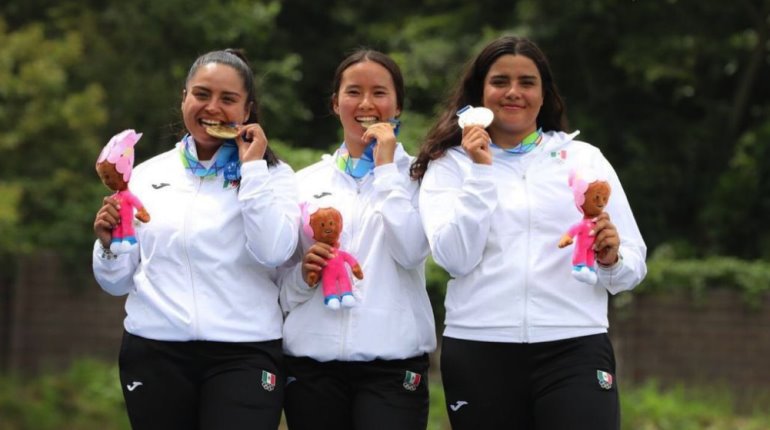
(474, 121)
(382, 135)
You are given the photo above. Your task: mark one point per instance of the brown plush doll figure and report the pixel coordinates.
(591, 195)
(326, 226)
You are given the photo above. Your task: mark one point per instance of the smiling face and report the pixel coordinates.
(366, 94)
(513, 90)
(327, 225)
(215, 94)
(597, 195)
(109, 175)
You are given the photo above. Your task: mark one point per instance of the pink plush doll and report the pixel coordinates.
(325, 225)
(591, 196)
(114, 167)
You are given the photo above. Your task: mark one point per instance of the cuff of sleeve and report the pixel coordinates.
(386, 169)
(255, 176)
(252, 169)
(611, 267)
(103, 253)
(386, 177)
(481, 171)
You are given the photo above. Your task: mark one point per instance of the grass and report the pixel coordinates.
(87, 396)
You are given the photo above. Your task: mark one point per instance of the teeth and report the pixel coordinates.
(210, 122)
(367, 121)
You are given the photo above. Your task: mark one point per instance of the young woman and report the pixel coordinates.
(202, 343)
(364, 365)
(525, 344)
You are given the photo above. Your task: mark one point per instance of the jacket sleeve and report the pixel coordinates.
(115, 274)
(631, 267)
(456, 213)
(270, 211)
(404, 235)
(294, 290)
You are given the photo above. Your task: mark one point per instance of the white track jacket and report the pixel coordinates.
(393, 318)
(205, 265)
(495, 229)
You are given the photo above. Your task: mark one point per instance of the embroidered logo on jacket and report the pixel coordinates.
(559, 155)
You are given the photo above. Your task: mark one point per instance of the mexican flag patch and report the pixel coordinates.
(268, 380)
(605, 379)
(411, 380)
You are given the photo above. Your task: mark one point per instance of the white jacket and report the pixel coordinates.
(393, 318)
(205, 265)
(495, 229)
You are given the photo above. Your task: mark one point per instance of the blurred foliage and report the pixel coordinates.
(651, 407)
(86, 396)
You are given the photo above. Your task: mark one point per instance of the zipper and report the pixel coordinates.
(525, 322)
(194, 310)
(355, 224)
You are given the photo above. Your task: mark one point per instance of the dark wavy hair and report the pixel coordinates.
(445, 133)
(236, 59)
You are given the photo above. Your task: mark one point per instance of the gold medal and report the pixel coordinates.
(222, 131)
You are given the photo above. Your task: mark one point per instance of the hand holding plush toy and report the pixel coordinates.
(591, 196)
(114, 167)
(325, 225)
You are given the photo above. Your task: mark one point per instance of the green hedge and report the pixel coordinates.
(750, 278)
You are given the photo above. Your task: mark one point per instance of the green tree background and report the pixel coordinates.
(674, 92)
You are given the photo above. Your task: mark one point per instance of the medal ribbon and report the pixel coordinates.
(226, 160)
(527, 144)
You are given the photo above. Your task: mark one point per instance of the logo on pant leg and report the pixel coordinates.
(268, 380)
(412, 380)
(605, 379)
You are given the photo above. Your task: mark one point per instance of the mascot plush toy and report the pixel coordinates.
(591, 196)
(325, 225)
(114, 167)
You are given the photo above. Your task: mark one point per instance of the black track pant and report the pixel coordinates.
(369, 395)
(201, 385)
(561, 385)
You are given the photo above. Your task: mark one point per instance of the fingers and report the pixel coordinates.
(314, 261)
(316, 256)
(476, 144)
(106, 219)
(383, 134)
(607, 242)
(252, 142)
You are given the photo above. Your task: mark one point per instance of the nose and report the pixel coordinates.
(513, 91)
(366, 101)
(212, 105)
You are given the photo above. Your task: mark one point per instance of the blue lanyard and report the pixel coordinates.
(227, 160)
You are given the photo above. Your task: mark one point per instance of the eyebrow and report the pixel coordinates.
(358, 86)
(520, 77)
(227, 93)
